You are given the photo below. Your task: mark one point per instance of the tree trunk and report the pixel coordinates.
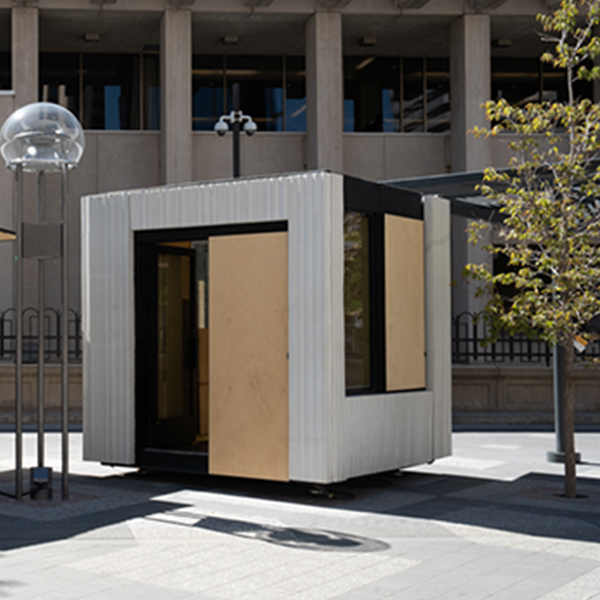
(569, 423)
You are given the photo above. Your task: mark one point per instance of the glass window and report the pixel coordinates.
(261, 88)
(5, 81)
(516, 79)
(111, 91)
(208, 100)
(371, 94)
(272, 90)
(151, 91)
(523, 80)
(104, 91)
(413, 109)
(356, 301)
(438, 94)
(295, 93)
(59, 80)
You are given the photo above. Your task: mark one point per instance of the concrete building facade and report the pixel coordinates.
(379, 89)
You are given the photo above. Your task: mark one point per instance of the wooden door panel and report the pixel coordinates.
(248, 366)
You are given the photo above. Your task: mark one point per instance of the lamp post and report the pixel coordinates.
(40, 138)
(236, 117)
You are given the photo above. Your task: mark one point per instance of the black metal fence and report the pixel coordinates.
(469, 332)
(52, 335)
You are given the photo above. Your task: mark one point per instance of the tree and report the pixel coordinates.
(549, 199)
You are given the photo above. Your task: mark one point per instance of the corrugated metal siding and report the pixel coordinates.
(316, 327)
(313, 203)
(107, 301)
(438, 311)
(386, 431)
(331, 437)
(242, 201)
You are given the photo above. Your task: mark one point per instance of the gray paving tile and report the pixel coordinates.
(481, 526)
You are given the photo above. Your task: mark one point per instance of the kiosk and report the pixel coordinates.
(292, 328)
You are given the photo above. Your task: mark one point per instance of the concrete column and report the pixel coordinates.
(324, 92)
(470, 86)
(24, 54)
(176, 96)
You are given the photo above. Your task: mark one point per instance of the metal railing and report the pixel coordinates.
(52, 335)
(469, 332)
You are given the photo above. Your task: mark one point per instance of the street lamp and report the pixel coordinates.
(236, 117)
(40, 138)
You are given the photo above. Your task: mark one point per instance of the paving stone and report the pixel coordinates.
(483, 525)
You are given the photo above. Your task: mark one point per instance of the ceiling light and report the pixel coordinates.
(368, 40)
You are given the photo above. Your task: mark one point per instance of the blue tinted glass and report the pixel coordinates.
(390, 110)
(295, 114)
(348, 115)
(274, 108)
(112, 96)
(207, 107)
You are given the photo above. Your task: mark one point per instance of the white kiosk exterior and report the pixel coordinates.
(292, 328)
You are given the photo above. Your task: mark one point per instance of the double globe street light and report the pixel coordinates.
(237, 119)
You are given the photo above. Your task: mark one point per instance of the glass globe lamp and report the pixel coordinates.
(42, 137)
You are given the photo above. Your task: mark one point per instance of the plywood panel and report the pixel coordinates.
(248, 345)
(404, 303)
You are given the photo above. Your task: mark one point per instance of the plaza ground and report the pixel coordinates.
(488, 522)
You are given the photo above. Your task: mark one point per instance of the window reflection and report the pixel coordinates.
(396, 94)
(295, 94)
(59, 74)
(104, 91)
(438, 94)
(356, 300)
(371, 93)
(272, 90)
(523, 80)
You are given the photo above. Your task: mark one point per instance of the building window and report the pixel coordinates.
(396, 94)
(5, 82)
(357, 292)
(272, 90)
(523, 80)
(104, 91)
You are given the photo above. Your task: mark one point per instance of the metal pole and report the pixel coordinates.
(558, 380)
(558, 387)
(19, 333)
(41, 340)
(236, 129)
(65, 334)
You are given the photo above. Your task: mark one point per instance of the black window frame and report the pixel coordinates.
(375, 201)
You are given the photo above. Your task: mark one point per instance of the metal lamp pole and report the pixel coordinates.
(236, 117)
(41, 137)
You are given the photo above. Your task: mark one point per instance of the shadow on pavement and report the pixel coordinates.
(530, 505)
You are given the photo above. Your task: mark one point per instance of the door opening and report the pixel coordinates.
(172, 350)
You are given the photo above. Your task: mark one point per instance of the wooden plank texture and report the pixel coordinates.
(248, 366)
(404, 304)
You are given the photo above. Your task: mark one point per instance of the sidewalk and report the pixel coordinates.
(485, 523)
